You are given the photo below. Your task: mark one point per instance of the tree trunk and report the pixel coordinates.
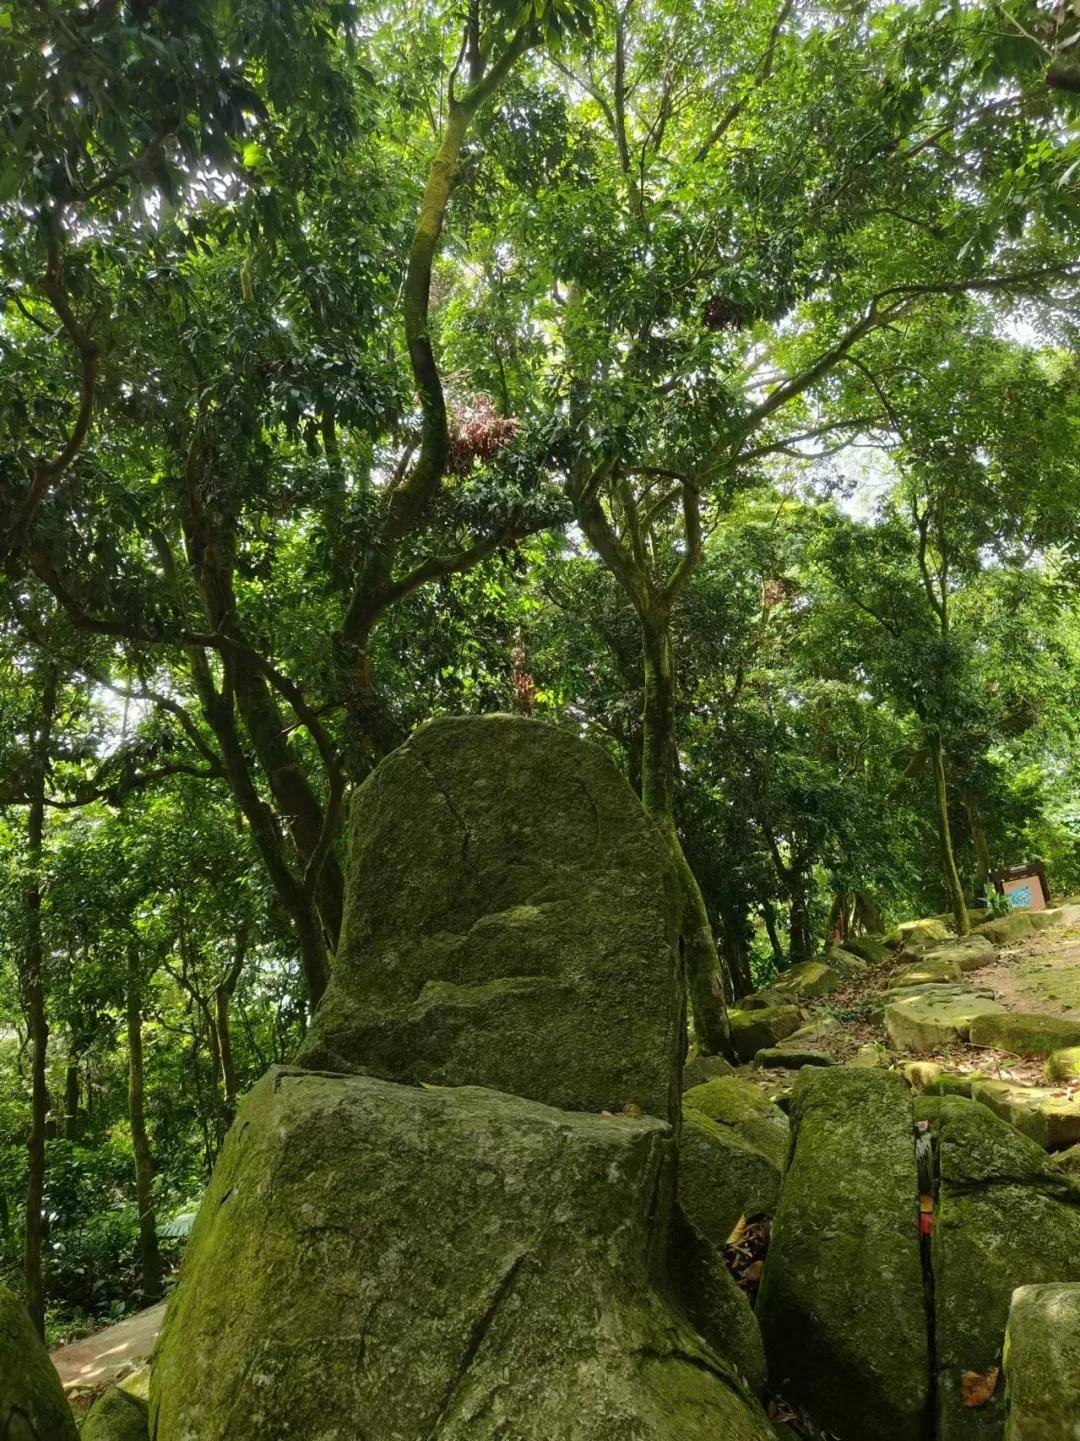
(800, 932)
(978, 837)
(703, 981)
(33, 989)
(769, 917)
(71, 1098)
(149, 1258)
(735, 952)
(957, 902)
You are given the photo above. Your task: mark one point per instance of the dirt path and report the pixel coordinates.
(97, 1361)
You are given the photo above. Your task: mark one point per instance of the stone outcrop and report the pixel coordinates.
(510, 922)
(1006, 1216)
(841, 1304)
(32, 1402)
(1042, 1364)
(409, 1264)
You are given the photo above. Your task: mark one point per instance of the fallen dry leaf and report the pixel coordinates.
(976, 1387)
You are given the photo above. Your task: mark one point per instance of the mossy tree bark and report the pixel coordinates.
(32, 982)
(978, 836)
(149, 1258)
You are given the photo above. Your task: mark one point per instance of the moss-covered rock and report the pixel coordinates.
(930, 930)
(936, 970)
(1049, 1116)
(1069, 1161)
(743, 1110)
(1006, 929)
(1025, 1033)
(761, 1001)
(722, 1177)
(950, 1084)
(1042, 1363)
(751, 1030)
(32, 1402)
(970, 953)
(116, 1416)
(1006, 1216)
(871, 949)
(872, 1056)
(713, 1303)
(841, 1303)
(409, 1264)
(791, 1058)
(510, 921)
(1063, 1065)
(847, 965)
(699, 1069)
(920, 1075)
(1055, 916)
(807, 981)
(925, 1020)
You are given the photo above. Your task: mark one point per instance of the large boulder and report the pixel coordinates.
(116, 1416)
(713, 1302)
(926, 1019)
(32, 1402)
(1006, 1216)
(510, 921)
(723, 1176)
(1063, 1065)
(428, 1264)
(841, 1304)
(1042, 1364)
(745, 1112)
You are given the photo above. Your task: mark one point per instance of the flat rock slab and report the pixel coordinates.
(1042, 1363)
(936, 970)
(510, 921)
(1006, 1216)
(1025, 1033)
(97, 1360)
(410, 1264)
(841, 1303)
(1048, 1114)
(938, 1016)
(970, 953)
(791, 1058)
